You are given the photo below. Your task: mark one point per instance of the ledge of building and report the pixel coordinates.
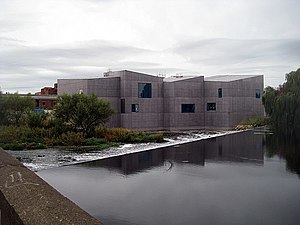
(26, 199)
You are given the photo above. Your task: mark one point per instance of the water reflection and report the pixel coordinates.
(286, 148)
(217, 181)
(242, 148)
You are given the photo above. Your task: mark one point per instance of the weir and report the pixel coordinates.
(26, 199)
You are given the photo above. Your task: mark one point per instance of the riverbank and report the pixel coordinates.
(37, 160)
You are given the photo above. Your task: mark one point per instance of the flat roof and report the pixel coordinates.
(178, 78)
(228, 78)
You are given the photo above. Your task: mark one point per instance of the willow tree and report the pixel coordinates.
(283, 104)
(83, 112)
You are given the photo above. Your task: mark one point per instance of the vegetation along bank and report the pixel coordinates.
(77, 120)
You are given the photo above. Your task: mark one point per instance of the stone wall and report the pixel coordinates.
(26, 199)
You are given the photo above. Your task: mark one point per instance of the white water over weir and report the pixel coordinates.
(48, 158)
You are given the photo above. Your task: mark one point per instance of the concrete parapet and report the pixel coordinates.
(26, 199)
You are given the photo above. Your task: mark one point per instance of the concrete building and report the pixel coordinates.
(146, 102)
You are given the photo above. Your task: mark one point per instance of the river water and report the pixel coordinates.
(242, 178)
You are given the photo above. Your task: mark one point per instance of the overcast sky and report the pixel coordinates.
(43, 40)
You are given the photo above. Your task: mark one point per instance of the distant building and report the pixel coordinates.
(146, 102)
(46, 98)
(46, 102)
(48, 90)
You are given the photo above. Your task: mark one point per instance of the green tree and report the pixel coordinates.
(14, 108)
(283, 104)
(83, 112)
(3, 116)
(36, 119)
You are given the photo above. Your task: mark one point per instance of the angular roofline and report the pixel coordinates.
(230, 78)
(178, 79)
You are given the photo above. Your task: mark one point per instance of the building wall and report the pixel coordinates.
(238, 101)
(150, 115)
(47, 104)
(71, 86)
(189, 91)
(163, 110)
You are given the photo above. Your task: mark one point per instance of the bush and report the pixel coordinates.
(127, 136)
(154, 138)
(95, 141)
(36, 119)
(32, 146)
(13, 146)
(9, 134)
(256, 121)
(72, 139)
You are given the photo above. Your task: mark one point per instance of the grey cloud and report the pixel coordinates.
(90, 58)
(224, 51)
(273, 58)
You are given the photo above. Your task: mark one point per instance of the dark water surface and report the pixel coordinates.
(243, 178)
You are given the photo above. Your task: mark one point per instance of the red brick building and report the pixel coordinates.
(46, 98)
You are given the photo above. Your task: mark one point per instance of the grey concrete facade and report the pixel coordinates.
(173, 103)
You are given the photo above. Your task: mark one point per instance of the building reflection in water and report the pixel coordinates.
(241, 148)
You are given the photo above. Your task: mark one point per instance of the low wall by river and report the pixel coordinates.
(26, 199)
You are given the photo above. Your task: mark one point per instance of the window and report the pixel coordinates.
(145, 90)
(211, 106)
(220, 93)
(122, 105)
(257, 93)
(188, 108)
(135, 108)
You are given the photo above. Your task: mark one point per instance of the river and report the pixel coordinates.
(242, 178)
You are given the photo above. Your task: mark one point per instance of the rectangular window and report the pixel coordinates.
(211, 106)
(188, 108)
(220, 93)
(122, 105)
(145, 90)
(135, 108)
(257, 93)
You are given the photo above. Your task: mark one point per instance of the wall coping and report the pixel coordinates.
(26, 199)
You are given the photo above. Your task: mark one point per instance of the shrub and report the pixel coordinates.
(13, 146)
(113, 134)
(36, 119)
(154, 138)
(256, 121)
(72, 139)
(33, 146)
(127, 136)
(9, 134)
(95, 141)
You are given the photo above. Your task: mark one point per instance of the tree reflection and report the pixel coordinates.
(285, 147)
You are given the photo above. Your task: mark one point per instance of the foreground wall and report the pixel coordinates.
(25, 199)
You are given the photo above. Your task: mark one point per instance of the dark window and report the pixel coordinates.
(135, 108)
(211, 106)
(145, 90)
(44, 103)
(257, 93)
(220, 93)
(122, 105)
(188, 108)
